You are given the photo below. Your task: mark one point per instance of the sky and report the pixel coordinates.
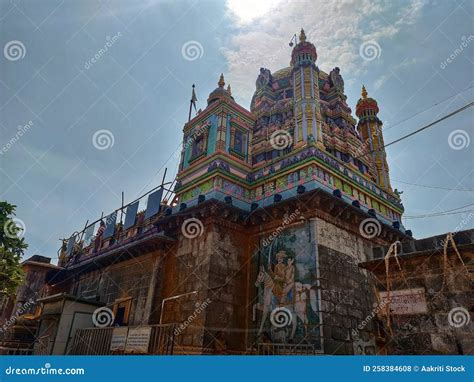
(94, 95)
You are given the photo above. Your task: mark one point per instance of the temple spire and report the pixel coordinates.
(221, 82)
(302, 36)
(229, 90)
(364, 92)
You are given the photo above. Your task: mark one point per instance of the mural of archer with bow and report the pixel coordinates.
(287, 308)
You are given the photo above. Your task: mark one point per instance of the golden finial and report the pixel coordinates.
(302, 36)
(228, 90)
(221, 82)
(364, 92)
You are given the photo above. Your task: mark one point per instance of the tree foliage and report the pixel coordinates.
(12, 247)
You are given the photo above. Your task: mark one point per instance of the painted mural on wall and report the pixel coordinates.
(287, 308)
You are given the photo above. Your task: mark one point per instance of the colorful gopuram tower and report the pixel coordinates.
(370, 129)
(306, 102)
(298, 135)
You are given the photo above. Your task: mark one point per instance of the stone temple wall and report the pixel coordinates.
(186, 270)
(223, 285)
(227, 316)
(447, 327)
(213, 264)
(346, 300)
(347, 297)
(332, 299)
(132, 278)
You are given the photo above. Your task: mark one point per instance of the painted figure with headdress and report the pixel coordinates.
(279, 275)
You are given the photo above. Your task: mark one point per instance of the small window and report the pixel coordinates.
(121, 310)
(198, 147)
(238, 142)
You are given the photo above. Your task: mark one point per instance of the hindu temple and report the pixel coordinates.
(269, 242)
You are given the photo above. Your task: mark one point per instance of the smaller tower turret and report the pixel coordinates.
(220, 92)
(370, 129)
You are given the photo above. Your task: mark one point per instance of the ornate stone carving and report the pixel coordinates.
(264, 78)
(336, 79)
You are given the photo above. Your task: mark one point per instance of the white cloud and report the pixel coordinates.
(245, 11)
(337, 28)
(381, 81)
(395, 71)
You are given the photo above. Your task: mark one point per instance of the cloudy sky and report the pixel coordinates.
(94, 94)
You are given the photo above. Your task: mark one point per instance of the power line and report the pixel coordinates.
(432, 216)
(436, 215)
(419, 130)
(457, 208)
(428, 108)
(430, 125)
(447, 212)
(434, 187)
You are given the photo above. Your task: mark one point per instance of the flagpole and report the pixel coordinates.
(191, 104)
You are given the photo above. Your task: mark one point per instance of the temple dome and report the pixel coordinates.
(220, 92)
(366, 104)
(303, 51)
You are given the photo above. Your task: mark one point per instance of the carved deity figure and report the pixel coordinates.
(264, 78)
(397, 192)
(336, 79)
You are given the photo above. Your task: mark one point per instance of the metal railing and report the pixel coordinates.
(92, 341)
(42, 345)
(162, 339)
(96, 341)
(285, 349)
(15, 351)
